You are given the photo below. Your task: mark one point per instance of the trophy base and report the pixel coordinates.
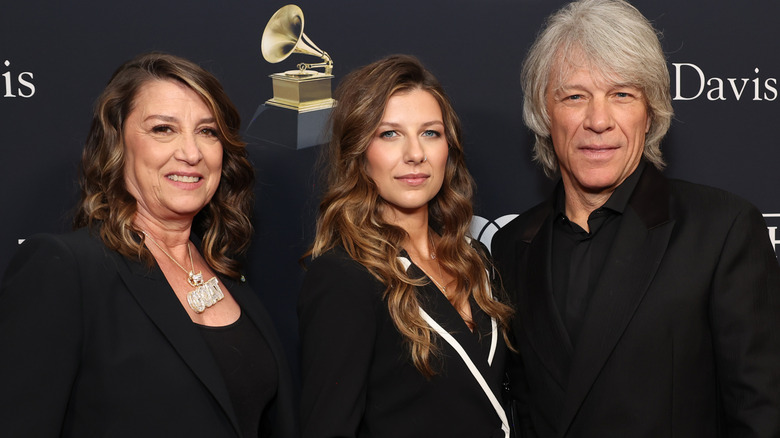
(302, 107)
(292, 129)
(302, 91)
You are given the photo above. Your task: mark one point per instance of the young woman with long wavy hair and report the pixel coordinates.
(402, 333)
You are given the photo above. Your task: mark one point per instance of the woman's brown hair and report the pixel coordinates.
(107, 206)
(350, 213)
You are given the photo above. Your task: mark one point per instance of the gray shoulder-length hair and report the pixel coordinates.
(615, 41)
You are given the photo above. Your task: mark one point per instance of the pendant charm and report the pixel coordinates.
(195, 280)
(205, 294)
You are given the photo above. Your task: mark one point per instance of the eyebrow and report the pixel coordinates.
(426, 124)
(172, 119)
(569, 86)
(576, 86)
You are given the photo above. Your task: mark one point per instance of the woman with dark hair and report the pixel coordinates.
(401, 333)
(139, 323)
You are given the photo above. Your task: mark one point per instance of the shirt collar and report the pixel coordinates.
(617, 202)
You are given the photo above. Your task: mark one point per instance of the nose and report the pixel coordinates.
(189, 150)
(413, 151)
(599, 115)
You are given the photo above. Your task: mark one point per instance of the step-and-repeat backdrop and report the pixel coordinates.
(55, 58)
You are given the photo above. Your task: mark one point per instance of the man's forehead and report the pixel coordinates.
(564, 69)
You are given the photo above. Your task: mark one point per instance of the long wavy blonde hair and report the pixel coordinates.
(350, 213)
(106, 206)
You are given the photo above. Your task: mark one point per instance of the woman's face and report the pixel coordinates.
(407, 156)
(173, 158)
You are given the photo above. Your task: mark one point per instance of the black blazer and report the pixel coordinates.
(358, 378)
(95, 344)
(681, 337)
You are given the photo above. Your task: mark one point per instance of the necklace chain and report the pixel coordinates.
(438, 264)
(439, 285)
(193, 279)
(205, 294)
(469, 322)
(192, 265)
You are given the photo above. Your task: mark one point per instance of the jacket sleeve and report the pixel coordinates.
(506, 262)
(745, 318)
(337, 314)
(40, 337)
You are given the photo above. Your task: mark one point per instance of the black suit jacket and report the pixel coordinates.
(358, 377)
(682, 334)
(95, 344)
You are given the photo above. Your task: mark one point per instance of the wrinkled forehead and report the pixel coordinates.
(566, 62)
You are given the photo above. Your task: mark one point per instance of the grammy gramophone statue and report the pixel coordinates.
(303, 89)
(297, 114)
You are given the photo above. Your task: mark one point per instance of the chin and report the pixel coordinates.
(187, 210)
(597, 185)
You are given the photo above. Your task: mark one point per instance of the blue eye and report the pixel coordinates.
(388, 134)
(431, 133)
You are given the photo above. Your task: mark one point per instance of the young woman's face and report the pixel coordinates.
(407, 157)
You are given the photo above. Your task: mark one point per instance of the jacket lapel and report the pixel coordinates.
(634, 258)
(158, 301)
(441, 310)
(536, 308)
(436, 304)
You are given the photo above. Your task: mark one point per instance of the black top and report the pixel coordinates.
(249, 370)
(578, 256)
(358, 378)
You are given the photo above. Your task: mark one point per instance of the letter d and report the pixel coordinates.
(677, 81)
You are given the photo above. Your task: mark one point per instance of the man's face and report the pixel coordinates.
(598, 130)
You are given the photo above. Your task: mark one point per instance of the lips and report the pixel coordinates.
(413, 179)
(598, 151)
(599, 147)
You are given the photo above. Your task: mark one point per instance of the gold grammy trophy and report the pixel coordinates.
(304, 89)
(297, 115)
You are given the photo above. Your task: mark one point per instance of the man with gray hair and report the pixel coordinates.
(646, 307)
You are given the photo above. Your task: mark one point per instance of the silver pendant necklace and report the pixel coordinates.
(205, 294)
(443, 288)
(433, 257)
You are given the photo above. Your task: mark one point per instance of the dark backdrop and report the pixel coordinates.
(55, 57)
